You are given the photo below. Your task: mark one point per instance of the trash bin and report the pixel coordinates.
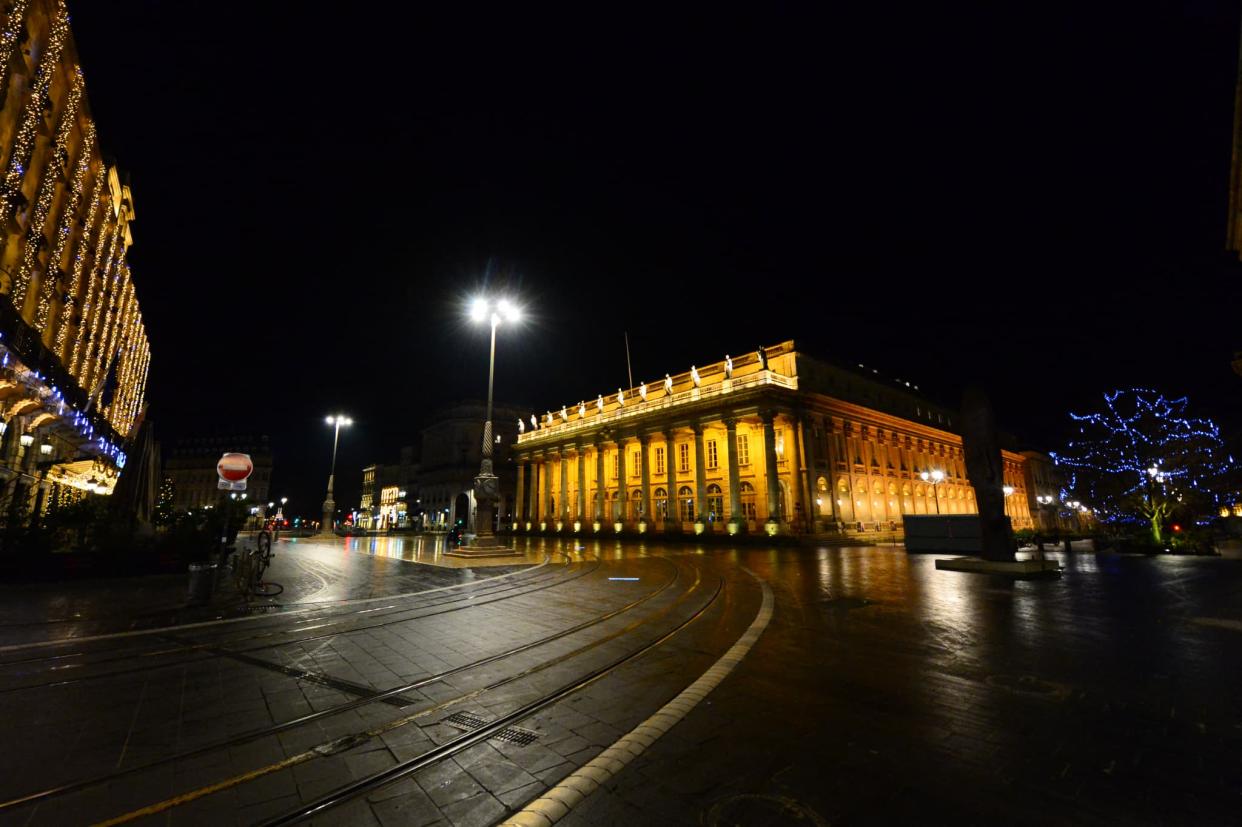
(202, 583)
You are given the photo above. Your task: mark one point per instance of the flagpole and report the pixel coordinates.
(629, 372)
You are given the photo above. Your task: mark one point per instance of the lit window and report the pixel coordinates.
(616, 465)
(743, 450)
(685, 498)
(683, 457)
(711, 455)
(637, 468)
(659, 460)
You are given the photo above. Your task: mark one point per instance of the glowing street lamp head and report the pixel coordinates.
(1008, 489)
(937, 475)
(340, 420)
(502, 310)
(479, 309)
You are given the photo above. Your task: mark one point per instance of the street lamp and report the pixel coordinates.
(935, 478)
(486, 487)
(329, 505)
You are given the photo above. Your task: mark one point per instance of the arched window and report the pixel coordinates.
(685, 501)
(843, 485)
(661, 503)
(747, 492)
(636, 505)
(715, 503)
(821, 485)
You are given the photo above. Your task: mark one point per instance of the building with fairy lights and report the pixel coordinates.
(772, 441)
(74, 353)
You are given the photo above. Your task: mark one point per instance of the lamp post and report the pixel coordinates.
(329, 505)
(486, 485)
(935, 478)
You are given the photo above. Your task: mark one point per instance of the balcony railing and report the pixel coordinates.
(636, 408)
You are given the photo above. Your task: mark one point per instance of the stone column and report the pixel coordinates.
(645, 470)
(622, 495)
(804, 451)
(581, 512)
(672, 514)
(736, 523)
(772, 480)
(519, 506)
(600, 489)
(700, 476)
(562, 507)
(549, 513)
(532, 496)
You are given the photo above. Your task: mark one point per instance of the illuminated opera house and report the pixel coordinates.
(770, 441)
(74, 354)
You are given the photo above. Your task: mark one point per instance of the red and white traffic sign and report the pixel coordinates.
(233, 470)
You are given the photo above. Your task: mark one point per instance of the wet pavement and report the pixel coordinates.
(308, 571)
(883, 691)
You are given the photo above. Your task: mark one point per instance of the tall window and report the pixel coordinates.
(616, 465)
(659, 460)
(747, 496)
(715, 503)
(712, 462)
(683, 457)
(637, 467)
(685, 500)
(661, 503)
(743, 449)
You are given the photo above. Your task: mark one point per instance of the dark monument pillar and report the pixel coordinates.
(986, 473)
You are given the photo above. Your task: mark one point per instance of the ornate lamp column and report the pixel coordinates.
(329, 505)
(486, 484)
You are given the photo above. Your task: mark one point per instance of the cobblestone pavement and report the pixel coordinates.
(882, 692)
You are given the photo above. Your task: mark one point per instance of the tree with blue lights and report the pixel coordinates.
(1143, 457)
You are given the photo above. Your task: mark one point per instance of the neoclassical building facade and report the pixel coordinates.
(771, 441)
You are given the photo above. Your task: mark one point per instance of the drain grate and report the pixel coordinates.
(468, 721)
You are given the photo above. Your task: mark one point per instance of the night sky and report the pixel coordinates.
(1035, 198)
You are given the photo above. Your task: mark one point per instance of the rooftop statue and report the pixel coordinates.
(728, 367)
(694, 376)
(668, 384)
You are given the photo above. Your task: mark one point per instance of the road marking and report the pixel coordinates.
(1221, 622)
(556, 803)
(622, 578)
(14, 647)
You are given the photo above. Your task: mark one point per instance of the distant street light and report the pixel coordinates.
(486, 488)
(935, 478)
(329, 505)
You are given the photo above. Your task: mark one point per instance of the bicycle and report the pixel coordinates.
(250, 565)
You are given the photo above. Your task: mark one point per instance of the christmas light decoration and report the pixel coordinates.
(8, 40)
(1142, 455)
(32, 115)
(104, 240)
(75, 277)
(58, 155)
(92, 303)
(64, 232)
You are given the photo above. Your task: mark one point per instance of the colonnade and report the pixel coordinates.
(701, 476)
(804, 472)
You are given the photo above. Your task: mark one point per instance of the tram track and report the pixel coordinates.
(275, 729)
(206, 648)
(347, 742)
(287, 610)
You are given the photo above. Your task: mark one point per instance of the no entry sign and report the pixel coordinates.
(233, 470)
